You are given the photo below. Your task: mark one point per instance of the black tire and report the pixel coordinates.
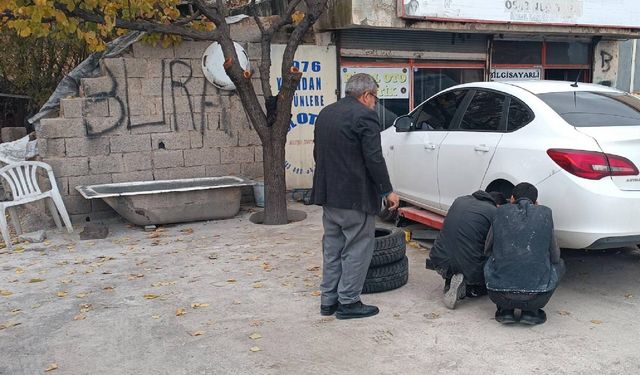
(389, 247)
(389, 277)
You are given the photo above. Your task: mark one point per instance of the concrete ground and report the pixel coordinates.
(231, 297)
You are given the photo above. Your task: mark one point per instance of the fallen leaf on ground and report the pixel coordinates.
(257, 285)
(595, 321)
(433, 315)
(628, 295)
(255, 336)
(163, 283)
(108, 288)
(79, 317)
(236, 302)
(134, 276)
(197, 333)
(81, 295)
(85, 307)
(155, 316)
(266, 266)
(51, 367)
(8, 325)
(36, 280)
(154, 235)
(564, 313)
(15, 311)
(199, 305)
(255, 349)
(61, 294)
(231, 280)
(5, 293)
(313, 268)
(316, 293)
(65, 281)
(18, 249)
(180, 312)
(151, 296)
(19, 270)
(187, 231)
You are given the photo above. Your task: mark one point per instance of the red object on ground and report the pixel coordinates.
(421, 216)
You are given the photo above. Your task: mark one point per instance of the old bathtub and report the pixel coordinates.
(171, 201)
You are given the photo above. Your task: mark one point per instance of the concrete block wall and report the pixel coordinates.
(150, 116)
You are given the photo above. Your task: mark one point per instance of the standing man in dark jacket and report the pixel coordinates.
(458, 252)
(524, 264)
(350, 181)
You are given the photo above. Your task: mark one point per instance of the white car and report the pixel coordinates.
(579, 144)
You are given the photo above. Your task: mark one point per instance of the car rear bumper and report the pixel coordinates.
(591, 214)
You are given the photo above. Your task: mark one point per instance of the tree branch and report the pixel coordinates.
(142, 25)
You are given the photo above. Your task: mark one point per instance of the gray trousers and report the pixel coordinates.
(347, 248)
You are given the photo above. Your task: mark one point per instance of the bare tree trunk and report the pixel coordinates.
(273, 150)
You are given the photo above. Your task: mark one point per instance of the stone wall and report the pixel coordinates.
(151, 115)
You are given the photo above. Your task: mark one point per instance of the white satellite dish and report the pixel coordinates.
(213, 69)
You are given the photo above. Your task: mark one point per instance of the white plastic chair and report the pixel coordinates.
(23, 181)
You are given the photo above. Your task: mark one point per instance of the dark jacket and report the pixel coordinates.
(459, 247)
(522, 249)
(350, 170)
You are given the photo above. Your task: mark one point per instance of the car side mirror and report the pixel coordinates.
(403, 124)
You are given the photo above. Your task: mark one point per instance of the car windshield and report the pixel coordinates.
(590, 109)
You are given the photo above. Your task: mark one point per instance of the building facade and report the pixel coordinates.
(416, 48)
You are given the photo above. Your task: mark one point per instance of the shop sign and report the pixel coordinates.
(618, 13)
(508, 74)
(316, 89)
(393, 83)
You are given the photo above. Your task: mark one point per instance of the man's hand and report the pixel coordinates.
(392, 201)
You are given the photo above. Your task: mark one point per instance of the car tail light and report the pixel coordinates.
(592, 165)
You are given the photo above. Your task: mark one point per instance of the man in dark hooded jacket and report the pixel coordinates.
(458, 252)
(524, 264)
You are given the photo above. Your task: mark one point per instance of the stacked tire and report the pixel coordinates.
(389, 268)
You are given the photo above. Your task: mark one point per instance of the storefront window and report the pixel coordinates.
(567, 53)
(429, 81)
(517, 53)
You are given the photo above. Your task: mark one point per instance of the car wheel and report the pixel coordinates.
(389, 247)
(387, 277)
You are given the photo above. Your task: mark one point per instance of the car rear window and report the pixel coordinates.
(590, 109)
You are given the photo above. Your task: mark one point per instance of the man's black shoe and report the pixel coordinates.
(533, 317)
(505, 316)
(356, 310)
(327, 310)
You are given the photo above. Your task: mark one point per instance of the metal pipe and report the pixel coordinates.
(634, 48)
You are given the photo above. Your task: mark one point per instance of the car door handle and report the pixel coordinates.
(482, 148)
(430, 146)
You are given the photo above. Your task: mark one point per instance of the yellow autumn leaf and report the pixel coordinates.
(255, 336)
(18, 249)
(61, 294)
(595, 321)
(254, 349)
(79, 317)
(199, 305)
(81, 295)
(36, 280)
(5, 293)
(257, 285)
(297, 17)
(19, 270)
(150, 296)
(197, 333)
(231, 280)
(316, 293)
(180, 312)
(51, 367)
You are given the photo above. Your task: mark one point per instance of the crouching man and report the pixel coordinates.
(524, 265)
(458, 252)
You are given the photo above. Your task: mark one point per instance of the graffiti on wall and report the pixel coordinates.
(606, 56)
(180, 76)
